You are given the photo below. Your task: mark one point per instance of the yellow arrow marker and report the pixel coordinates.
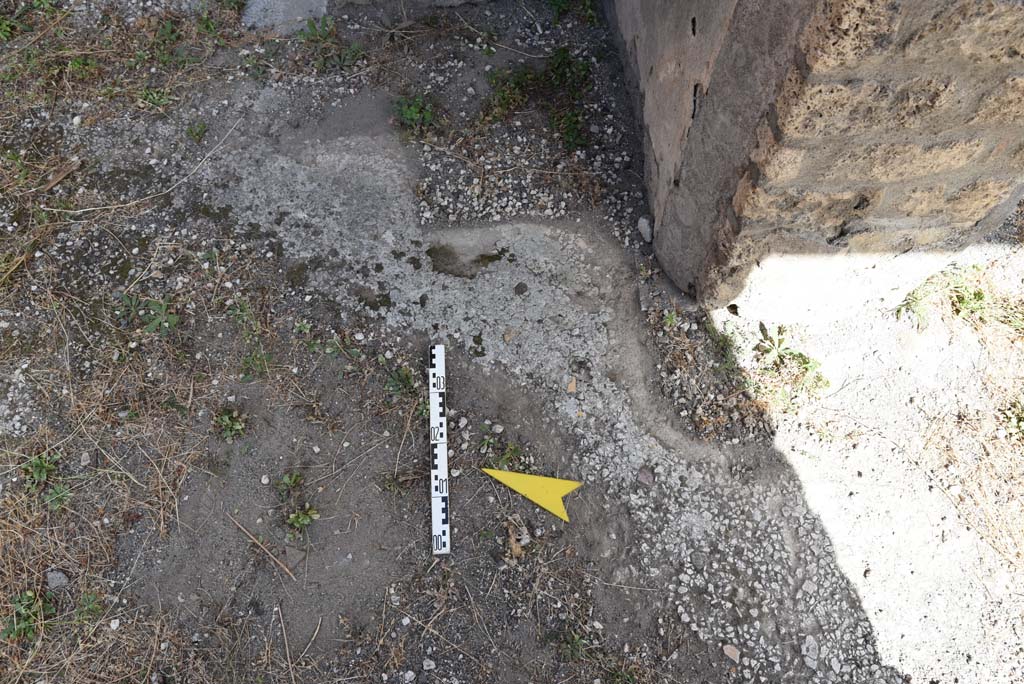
(546, 492)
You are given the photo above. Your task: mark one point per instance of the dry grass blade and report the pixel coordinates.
(60, 174)
(265, 550)
(316, 633)
(287, 647)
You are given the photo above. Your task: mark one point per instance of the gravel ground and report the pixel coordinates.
(762, 538)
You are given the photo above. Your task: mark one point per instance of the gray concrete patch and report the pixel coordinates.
(282, 17)
(725, 533)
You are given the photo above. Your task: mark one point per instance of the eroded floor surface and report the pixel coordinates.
(299, 227)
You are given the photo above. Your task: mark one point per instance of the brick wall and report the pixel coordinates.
(877, 140)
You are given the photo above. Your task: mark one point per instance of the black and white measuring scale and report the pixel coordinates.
(439, 526)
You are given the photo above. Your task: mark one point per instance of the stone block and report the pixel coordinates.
(824, 151)
(887, 162)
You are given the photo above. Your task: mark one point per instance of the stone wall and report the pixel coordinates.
(816, 155)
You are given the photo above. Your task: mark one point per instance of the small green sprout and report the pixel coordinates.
(230, 423)
(29, 612)
(39, 470)
(255, 364)
(154, 98)
(197, 131)
(415, 113)
(773, 348)
(301, 519)
(318, 31)
(89, 607)
(670, 320)
(401, 383)
(289, 482)
(56, 497)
